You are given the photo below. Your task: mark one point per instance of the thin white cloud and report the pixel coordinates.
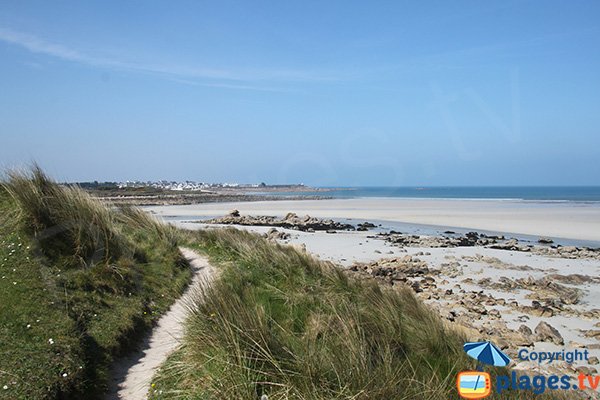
(232, 86)
(37, 45)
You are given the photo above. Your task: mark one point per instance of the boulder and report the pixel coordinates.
(525, 330)
(546, 332)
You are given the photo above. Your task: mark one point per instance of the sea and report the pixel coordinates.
(585, 194)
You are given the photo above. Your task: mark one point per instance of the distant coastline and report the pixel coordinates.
(513, 193)
(174, 195)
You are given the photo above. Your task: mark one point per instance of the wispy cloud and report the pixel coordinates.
(214, 77)
(239, 86)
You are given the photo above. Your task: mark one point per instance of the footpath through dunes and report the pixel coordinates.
(132, 375)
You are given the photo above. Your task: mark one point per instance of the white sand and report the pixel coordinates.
(579, 221)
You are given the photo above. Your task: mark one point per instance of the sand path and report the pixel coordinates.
(132, 375)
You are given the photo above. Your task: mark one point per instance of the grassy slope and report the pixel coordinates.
(67, 306)
(281, 323)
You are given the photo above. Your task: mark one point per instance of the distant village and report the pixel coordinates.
(180, 186)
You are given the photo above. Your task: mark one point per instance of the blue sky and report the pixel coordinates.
(325, 93)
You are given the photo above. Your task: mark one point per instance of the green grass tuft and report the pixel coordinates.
(80, 283)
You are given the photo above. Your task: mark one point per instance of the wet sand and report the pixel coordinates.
(579, 221)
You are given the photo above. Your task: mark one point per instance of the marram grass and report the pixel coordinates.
(281, 324)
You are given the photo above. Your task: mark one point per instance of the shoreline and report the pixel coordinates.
(557, 220)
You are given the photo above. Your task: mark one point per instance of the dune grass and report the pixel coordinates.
(80, 281)
(283, 324)
(79, 284)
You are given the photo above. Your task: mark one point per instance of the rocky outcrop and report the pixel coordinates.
(290, 221)
(546, 332)
(544, 290)
(469, 239)
(451, 239)
(480, 314)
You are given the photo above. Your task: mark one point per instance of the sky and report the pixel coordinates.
(326, 93)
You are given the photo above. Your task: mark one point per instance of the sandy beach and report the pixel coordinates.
(488, 291)
(579, 221)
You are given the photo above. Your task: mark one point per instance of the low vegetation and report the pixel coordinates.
(283, 324)
(79, 283)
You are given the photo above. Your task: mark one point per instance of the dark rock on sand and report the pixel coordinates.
(273, 234)
(290, 221)
(546, 332)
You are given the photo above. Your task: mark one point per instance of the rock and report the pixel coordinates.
(290, 221)
(273, 234)
(568, 249)
(586, 370)
(502, 343)
(331, 231)
(592, 333)
(546, 332)
(525, 330)
(544, 240)
(538, 310)
(365, 226)
(416, 287)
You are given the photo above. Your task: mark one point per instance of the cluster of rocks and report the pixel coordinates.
(451, 239)
(558, 251)
(290, 221)
(469, 239)
(544, 290)
(479, 314)
(365, 226)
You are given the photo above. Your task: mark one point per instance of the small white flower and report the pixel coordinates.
(5, 387)
(28, 326)
(14, 283)
(64, 375)
(51, 341)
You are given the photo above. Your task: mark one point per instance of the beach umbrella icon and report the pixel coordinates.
(487, 353)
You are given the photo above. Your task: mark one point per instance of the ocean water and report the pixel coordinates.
(533, 193)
